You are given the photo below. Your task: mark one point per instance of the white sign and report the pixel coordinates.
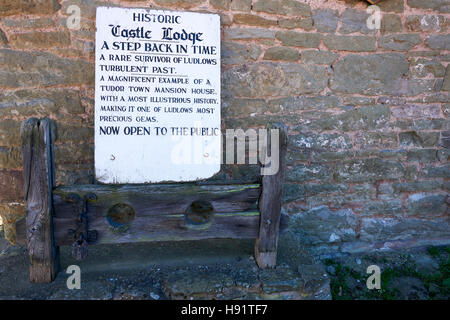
(157, 95)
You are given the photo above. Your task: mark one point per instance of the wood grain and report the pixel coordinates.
(38, 174)
(154, 212)
(159, 212)
(270, 206)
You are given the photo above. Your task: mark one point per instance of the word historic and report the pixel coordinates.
(157, 95)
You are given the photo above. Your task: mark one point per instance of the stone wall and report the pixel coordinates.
(367, 109)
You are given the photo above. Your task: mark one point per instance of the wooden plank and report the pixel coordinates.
(159, 212)
(37, 153)
(158, 199)
(270, 206)
(243, 225)
(166, 228)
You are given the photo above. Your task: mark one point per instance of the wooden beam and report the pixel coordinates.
(150, 212)
(166, 228)
(37, 153)
(158, 212)
(270, 204)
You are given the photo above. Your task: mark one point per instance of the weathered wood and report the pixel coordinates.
(159, 212)
(152, 212)
(145, 229)
(270, 204)
(37, 152)
(159, 199)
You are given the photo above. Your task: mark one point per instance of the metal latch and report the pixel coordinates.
(82, 236)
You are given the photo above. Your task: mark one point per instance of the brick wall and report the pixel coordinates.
(367, 109)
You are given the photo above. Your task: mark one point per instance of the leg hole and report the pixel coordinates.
(199, 214)
(120, 215)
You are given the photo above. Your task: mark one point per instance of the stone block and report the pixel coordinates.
(220, 4)
(369, 170)
(399, 42)
(436, 171)
(422, 155)
(297, 39)
(391, 6)
(438, 41)
(391, 23)
(185, 4)
(425, 185)
(421, 68)
(426, 205)
(298, 103)
(10, 158)
(446, 84)
(416, 111)
(294, 23)
(272, 79)
(324, 141)
(301, 172)
(14, 7)
(318, 57)
(241, 5)
(282, 7)
(11, 185)
(235, 107)
(435, 5)
(236, 53)
(418, 139)
(281, 53)
(293, 192)
(249, 34)
(425, 23)
(10, 133)
(325, 20)
(369, 74)
(387, 208)
(377, 140)
(388, 229)
(253, 20)
(39, 39)
(35, 68)
(350, 43)
(353, 20)
(321, 225)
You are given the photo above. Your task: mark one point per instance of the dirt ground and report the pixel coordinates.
(226, 270)
(413, 274)
(212, 269)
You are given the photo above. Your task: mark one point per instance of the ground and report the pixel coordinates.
(413, 274)
(222, 269)
(212, 269)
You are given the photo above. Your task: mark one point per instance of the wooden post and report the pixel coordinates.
(270, 204)
(38, 172)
